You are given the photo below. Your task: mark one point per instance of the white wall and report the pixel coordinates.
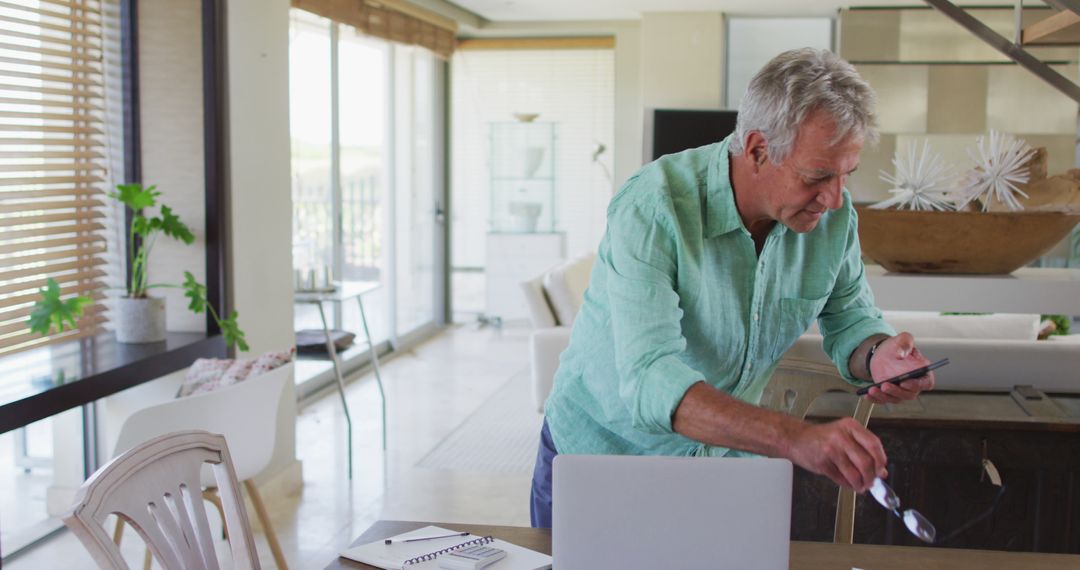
(682, 63)
(629, 114)
(260, 199)
(667, 60)
(171, 131)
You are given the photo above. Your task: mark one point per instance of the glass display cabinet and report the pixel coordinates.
(523, 177)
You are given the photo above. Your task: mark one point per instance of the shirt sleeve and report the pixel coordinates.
(850, 316)
(641, 264)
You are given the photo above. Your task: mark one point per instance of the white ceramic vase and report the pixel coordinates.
(524, 216)
(140, 320)
(534, 157)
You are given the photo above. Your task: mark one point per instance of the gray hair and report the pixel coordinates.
(790, 87)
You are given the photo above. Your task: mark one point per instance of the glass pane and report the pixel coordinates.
(41, 465)
(362, 87)
(752, 42)
(415, 189)
(310, 120)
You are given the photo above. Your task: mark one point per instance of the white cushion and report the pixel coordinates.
(539, 308)
(565, 286)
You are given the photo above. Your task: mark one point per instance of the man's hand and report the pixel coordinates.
(894, 357)
(843, 451)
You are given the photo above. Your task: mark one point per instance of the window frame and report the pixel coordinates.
(126, 366)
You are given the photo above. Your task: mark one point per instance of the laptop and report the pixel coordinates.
(649, 512)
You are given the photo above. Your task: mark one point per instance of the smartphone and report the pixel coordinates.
(909, 375)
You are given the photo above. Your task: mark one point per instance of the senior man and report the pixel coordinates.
(715, 260)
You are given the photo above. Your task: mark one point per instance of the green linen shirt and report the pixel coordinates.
(678, 295)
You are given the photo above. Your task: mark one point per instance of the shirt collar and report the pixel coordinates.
(721, 215)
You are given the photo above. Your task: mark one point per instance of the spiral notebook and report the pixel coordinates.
(424, 554)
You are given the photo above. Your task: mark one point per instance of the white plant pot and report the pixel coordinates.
(140, 321)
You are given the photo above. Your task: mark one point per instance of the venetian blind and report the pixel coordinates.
(52, 161)
(394, 20)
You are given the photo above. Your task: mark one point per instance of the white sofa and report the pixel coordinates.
(986, 352)
(554, 299)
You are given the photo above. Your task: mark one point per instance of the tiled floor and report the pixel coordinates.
(430, 390)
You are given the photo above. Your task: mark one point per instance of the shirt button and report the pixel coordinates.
(755, 316)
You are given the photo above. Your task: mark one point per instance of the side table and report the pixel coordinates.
(345, 291)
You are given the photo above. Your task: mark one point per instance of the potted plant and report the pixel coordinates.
(139, 318)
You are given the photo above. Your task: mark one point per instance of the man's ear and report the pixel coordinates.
(756, 149)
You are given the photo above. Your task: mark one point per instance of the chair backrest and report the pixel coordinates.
(792, 389)
(245, 413)
(155, 488)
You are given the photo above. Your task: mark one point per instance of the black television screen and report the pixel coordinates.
(677, 130)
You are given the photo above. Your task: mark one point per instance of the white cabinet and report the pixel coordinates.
(513, 258)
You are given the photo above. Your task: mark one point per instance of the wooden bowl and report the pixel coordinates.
(907, 241)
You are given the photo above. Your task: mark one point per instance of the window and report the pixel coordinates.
(52, 161)
(367, 176)
(59, 143)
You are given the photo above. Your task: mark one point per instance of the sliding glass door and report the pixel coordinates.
(367, 179)
(418, 179)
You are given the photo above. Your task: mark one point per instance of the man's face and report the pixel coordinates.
(810, 181)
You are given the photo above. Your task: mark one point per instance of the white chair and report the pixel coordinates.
(244, 413)
(156, 488)
(554, 299)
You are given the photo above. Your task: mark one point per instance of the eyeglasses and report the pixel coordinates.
(915, 522)
(918, 524)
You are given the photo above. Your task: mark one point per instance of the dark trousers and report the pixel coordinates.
(540, 509)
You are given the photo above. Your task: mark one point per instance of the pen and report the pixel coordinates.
(391, 541)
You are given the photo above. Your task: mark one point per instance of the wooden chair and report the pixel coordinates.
(792, 389)
(245, 414)
(155, 487)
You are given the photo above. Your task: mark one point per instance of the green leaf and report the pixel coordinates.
(196, 292)
(173, 227)
(50, 311)
(233, 335)
(136, 197)
(140, 225)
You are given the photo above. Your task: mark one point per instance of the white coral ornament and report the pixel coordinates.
(921, 181)
(1000, 165)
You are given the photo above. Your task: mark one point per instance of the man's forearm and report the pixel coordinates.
(712, 417)
(857, 361)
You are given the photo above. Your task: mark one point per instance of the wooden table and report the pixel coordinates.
(804, 555)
